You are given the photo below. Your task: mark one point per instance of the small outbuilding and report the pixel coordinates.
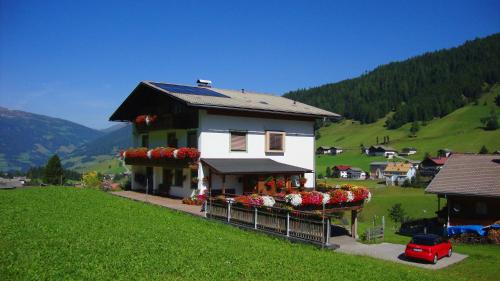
(471, 185)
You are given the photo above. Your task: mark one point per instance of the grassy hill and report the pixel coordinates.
(460, 131)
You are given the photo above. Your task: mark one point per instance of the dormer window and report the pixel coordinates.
(275, 141)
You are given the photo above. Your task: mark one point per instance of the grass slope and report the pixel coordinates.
(460, 131)
(61, 233)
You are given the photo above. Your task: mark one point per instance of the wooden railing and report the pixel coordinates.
(296, 225)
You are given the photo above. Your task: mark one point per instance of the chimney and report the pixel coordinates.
(204, 83)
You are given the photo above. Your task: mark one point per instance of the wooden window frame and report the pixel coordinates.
(231, 141)
(268, 139)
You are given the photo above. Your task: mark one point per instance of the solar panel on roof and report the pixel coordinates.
(189, 90)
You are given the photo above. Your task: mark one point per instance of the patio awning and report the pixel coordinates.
(242, 166)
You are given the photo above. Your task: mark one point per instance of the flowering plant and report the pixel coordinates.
(147, 119)
(280, 182)
(294, 199)
(250, 200)
(270, 182)
(338, 196)
(162, 152)
(268, 201)
(140, 152)
(313, 198)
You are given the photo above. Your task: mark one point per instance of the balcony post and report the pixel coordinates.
(229, 212)
(287, 224)
(255, 218)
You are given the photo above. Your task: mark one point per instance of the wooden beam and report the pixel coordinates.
(223, 184)
(354, 223)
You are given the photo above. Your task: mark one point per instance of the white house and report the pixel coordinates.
(243, 139)
(399, 172)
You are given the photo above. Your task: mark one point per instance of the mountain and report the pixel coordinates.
(28, 139)
(420, 88)
(113, 128)
(460, 131)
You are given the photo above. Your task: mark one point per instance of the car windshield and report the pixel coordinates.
(423, 241)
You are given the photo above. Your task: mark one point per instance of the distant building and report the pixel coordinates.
(377, 170)
(408, 151)
(431, 166)
(356, 173)
(471, 185)
(336, 150)
(323, 150)
(340, 171)
(444, 152)
(331, 150)
(381, 150)
(396, 173)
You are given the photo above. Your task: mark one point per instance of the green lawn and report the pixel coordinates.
(67, 233)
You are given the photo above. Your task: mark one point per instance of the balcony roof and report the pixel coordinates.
(259, 166)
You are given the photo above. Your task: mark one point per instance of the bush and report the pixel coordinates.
(397, 213)
(92, 180)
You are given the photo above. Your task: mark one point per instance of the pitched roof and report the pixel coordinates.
(324, 147)
(398, 167)
(356, 169)
(468, 174)
(386, 148)
(342, 167)
(236, 99)
(437, 160)
(239, 166)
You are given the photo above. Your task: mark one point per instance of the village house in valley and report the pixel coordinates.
(241, 139)
(431, 166)
(381, 150)
(340, 171)
(377, 170)
(331, 150)
(471, 186)
(396, 173)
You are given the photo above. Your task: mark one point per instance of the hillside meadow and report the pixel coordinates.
(460, 131)
(59, 233)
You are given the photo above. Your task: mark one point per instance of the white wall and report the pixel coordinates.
(159, 138)
(214, 140)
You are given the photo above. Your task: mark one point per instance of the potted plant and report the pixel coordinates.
(302, 181)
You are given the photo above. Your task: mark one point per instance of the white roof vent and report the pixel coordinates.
(204, 83)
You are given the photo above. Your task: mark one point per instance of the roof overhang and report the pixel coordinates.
(251, 166)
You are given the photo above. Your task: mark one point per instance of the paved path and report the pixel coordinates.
(175, 204)
(389, 251)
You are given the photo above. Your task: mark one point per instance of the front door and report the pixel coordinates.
(149, 179)
(250, 184)
(166, 182)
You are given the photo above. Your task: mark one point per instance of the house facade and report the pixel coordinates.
(381, 150)
(431, 166)
(237, 140)
(340, 171)
(356, 173)
(377, 170)
(324, 150)
(471, 186)
(396, 173)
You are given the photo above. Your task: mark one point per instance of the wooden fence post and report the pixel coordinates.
(287, 224)
(255, 218)
(228, 211)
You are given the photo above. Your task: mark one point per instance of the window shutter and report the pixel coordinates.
(238, 141)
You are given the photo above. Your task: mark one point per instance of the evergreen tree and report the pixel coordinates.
(53, 172)
(414, 128)
(491, 122)
(328, 172)
(483, 150)
(497, 100)
(377, 139)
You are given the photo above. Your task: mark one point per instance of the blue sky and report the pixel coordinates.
(78, 60)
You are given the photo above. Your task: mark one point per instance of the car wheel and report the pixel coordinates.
(435, 260)
(450, 252)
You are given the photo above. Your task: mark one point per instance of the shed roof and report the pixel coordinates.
(469, 175)
(239, 166)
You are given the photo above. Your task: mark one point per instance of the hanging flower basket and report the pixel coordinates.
(145, 119)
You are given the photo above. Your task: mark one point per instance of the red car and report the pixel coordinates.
(428, 247)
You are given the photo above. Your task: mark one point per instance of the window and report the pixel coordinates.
(192, 139)
(179, 177)
(238, 141)
(171, 140)
(275, 141)
(145, 141)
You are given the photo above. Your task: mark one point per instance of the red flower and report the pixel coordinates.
(156, 153)
(140, 119)
(280, 182)
(338, 196)
(312, 198)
